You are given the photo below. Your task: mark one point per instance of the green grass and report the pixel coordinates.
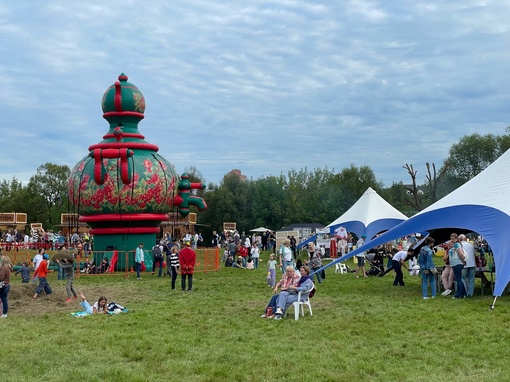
(362, 329)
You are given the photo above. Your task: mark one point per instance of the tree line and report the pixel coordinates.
(306, 195)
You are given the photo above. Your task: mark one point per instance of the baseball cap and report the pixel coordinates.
(46, 256)
(187, 243)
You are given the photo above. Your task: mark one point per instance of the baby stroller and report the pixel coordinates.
(376, 261)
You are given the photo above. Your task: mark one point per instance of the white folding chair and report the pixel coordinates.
(340, 268)
(299, 305)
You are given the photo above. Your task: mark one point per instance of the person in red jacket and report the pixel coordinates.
(42, 272)
(243, 252)
(187, 260)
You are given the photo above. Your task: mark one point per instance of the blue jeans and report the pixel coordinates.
(61, 273)
(255, 262)
(285, 264)
(460, 291)
(272, 303)
(425, 279)
(43, 284)
(138, 266)
(157, 263)
(318, 274)
(87, 307)
(468, 275)
(5, 292)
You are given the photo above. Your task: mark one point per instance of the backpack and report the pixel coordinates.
(156, 253)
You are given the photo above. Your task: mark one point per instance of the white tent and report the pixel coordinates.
(260, 229)
(481, 205)
(370, 215)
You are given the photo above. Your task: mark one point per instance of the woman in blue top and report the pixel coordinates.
(291, 295)
(426, 266)
(456, 257)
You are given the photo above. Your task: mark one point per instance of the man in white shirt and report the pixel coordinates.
(397, 262)
(468, 272)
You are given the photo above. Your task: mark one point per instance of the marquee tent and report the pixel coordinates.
(370, 215)
(481, 205)
(260, 229)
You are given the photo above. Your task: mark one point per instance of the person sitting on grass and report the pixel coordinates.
(239, 263)
(103, 267)
(290, 296)
(99, 307)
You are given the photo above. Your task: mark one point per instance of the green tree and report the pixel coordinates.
(354, 181)
(472, 154)
(50, 184)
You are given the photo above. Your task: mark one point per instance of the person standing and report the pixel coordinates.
(361, 257)
(456, 256)
(139, 257)
(397, 262)
(293, 248)
(38, 258)
(255, 255)
(315, 261)
(468, 273)
(5, 286)
(285, 255)
(427, 269)
(25, 273)
(187, 260)
(173, 264)
(41, 273)
(271, 271)
(67, 265)
(157, 258)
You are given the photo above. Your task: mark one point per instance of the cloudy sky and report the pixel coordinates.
(262, 86)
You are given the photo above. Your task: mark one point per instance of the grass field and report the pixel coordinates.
(361, 329)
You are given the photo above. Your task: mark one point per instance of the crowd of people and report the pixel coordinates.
(461, 260)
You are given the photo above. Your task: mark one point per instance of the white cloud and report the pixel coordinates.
(263, 87)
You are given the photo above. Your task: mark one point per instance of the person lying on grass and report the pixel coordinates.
(99, 306)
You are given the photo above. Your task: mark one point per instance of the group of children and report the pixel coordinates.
(67, 265)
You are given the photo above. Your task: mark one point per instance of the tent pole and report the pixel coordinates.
(493, 303)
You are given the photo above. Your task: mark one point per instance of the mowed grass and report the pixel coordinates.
(362, 329)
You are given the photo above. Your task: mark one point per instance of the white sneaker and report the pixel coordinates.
(3, 316)
(279, 312)
(447, 292)
(425, 298)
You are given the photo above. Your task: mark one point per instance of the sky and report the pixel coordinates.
(261, 86)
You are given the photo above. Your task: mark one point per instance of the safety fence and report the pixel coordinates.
(22, 246)
(103, 263)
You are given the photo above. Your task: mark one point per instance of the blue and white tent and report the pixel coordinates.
(481, 205)
(370, 215)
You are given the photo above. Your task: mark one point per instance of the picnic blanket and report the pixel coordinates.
(113, 308)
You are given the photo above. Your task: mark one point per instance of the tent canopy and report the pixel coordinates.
(260, 229)
(481, 205)
(370, 215)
